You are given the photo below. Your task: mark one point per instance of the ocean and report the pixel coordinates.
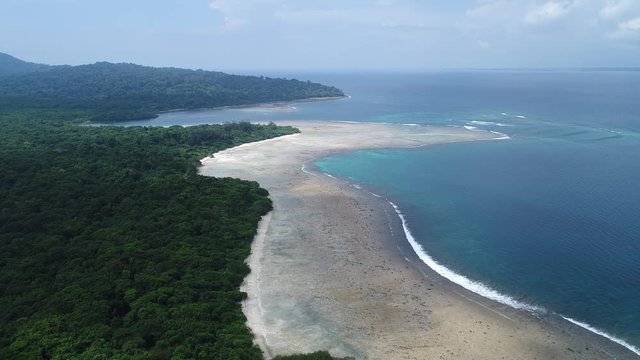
(547, 220)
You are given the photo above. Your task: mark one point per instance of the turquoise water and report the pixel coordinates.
(565, 241)
(550, 217)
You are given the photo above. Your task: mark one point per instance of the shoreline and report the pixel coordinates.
(251, 307)
(489, 298)
(257, 105)
(376, 298)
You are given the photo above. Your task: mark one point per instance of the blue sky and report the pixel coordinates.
(294, 35)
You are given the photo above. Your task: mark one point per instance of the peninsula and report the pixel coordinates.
(111, 92)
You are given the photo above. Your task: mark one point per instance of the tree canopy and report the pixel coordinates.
(118, 92)
(112, 247)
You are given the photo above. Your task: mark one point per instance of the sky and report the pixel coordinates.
(328, 35)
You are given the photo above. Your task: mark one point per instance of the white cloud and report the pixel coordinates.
(628, 30)
(619, 8)
(238, 13)
(631, 25)
(486, 28)
(547, 12)
(490, 10)
(231, 23)
(622, 20)
(225, 6)
(231, 18)
(386, 13)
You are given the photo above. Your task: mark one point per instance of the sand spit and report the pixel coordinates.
(329, 271)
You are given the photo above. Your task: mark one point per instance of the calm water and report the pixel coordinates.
(550, 217)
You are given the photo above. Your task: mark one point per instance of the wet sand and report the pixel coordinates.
(331, 269)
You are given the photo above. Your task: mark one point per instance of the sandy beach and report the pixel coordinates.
(331, 269)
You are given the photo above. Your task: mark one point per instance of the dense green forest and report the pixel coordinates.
(117, 92)
(112, 247)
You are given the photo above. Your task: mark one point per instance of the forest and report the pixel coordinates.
(119, 92)
(10, 65)
(111, 245)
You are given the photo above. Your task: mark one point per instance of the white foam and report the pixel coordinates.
(488, 123)
(502, 136)
(476, 122)
(470, 127)
(304, 170)
(518, 116)
(613, 131)
(329, 175)
(361, 122)
(410, 124)
(357, 186)
(473, 286)
(604, 334)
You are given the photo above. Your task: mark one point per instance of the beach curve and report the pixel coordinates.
(327, 274)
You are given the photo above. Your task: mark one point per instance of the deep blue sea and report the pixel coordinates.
(549, 218)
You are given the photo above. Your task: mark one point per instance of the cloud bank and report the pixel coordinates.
(331, 34)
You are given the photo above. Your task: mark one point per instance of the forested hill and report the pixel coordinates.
(112, 92)
(10, 65)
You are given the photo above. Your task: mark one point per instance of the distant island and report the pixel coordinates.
(110, 92)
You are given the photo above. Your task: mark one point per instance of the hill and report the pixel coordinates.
(10, 65)
(112, 92)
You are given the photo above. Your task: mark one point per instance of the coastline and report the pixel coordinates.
(274, 104)
(335, 271)
(252, 307)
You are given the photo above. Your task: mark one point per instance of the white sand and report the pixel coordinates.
(328, 275)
